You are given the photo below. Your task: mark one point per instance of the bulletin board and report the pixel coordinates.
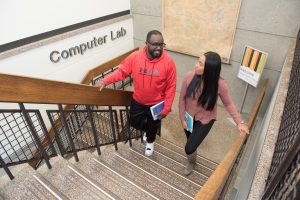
(196, 26)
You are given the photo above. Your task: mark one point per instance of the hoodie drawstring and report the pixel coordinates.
(151, 74)
(146, 72)
(143, 72)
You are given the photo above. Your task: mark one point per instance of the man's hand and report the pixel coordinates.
(100, 84)
(161, 116)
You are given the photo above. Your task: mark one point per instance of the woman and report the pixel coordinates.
(198, 97)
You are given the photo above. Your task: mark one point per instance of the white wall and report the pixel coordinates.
(37, 63)
(23, 18)
(20, 19)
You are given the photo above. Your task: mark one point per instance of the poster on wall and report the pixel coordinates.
(252, 65)
(196, 27)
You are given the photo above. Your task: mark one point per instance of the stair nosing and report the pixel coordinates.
(197, 155)
(184, 156)
(126, 179)
(200, 169)
(181, 164)
(169, 185)
(131, 190)
(34, 193)
(166, 168)
(89, 180)
(48, 186)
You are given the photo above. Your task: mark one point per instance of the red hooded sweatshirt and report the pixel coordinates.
(153, 80)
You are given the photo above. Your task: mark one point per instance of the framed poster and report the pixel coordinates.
(252, 65)
(194, 27)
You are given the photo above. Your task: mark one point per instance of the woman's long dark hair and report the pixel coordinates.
(211, 75)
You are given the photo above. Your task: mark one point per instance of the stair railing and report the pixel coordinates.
(213, 187)
(90, 96)
(23, 132)
(32, 90)
(283, 178)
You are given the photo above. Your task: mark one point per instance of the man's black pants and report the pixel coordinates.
(141, 118)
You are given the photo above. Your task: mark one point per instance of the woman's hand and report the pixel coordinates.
(243, 127)
(184, 124)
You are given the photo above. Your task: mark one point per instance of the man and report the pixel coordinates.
(154, 80)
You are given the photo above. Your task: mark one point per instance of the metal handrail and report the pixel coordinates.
(288, 140)
(293, 151)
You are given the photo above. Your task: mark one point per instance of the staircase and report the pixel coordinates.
(123, 174)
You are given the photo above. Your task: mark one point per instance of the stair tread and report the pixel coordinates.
(180, 150)
(182, 159)
(25, 186)
(110, 179)
(155, 185)
(170, 164)
(71, 184)
(40, 189)
(173, 178)
(124, 174)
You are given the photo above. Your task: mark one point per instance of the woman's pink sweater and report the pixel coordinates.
(191, 106)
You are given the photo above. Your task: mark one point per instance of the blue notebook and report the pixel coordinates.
(190, 122)
(156, 109)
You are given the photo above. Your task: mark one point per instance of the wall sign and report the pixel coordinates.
(56, 56)
(252, 65)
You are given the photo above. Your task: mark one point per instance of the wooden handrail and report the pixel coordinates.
(21, 89)
(33, 90)
(215, 183)
(257, 105)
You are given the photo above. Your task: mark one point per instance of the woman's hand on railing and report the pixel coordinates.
(243, 128)
(100, 84)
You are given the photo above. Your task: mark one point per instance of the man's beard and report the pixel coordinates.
(153, 54)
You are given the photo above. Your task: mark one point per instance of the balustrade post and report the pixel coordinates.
(59, 143)
(35, 135)
(90, 116)
(5, 167)
(64, 120)
(46, 132)
(113, 126)
(129, 130)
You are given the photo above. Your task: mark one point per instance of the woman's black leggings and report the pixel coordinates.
(194, 139)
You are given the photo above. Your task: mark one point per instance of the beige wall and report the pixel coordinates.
(265, 25)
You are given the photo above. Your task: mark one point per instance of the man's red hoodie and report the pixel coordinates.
(153, 80)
